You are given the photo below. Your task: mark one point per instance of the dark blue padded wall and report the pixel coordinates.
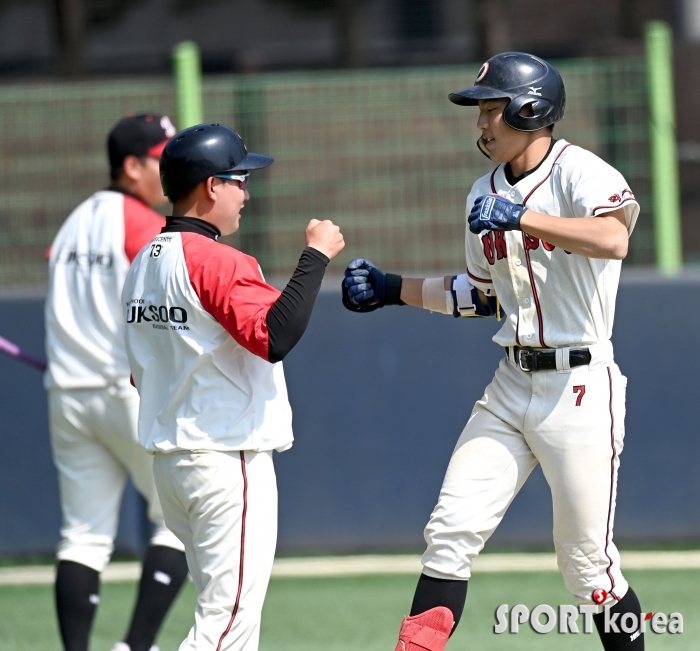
(375, 425)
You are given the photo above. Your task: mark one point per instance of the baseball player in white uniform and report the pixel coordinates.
(93, 408)
(547, 231)
(205, 336)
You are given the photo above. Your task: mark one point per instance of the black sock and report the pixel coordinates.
(164, 572)
(431, 593)
(621, 641)
(77, 595)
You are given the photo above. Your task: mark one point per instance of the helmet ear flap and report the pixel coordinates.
(527, 113)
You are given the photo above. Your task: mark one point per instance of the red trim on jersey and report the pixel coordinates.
(141, 225)
(231, 288)
(612, 488)
(534, 294)
(242, 556)
(527, 254)
(623, 201)
(554, 162)
(493, 185)
(479, 280)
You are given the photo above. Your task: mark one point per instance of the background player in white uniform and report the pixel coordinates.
(205, 336)
(93, 408)
(547, 231)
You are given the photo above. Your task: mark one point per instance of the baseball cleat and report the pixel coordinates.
(428, 631)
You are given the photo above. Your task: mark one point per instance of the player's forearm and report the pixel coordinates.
(594, 237)
(289, 315)
(412, 290)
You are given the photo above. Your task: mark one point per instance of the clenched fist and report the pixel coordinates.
(325, 237)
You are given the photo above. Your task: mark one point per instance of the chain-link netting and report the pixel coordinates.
(382, 153)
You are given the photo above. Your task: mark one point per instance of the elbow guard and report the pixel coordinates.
(466, 301)
(462, 299)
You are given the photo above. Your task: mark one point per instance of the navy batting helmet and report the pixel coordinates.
(525, 80)
(204, 150)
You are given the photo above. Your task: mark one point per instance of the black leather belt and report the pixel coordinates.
(543, 359)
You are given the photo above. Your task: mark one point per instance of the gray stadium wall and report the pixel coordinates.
(379, 401)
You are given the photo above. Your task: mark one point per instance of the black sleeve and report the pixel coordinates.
(290, 313)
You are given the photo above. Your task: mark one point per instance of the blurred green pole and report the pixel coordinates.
(664, 158)
(188, 84)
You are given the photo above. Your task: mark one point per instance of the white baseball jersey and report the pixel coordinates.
(570, 420)
(578, 305)
(87, 266)
(92, 408)
(197, 342)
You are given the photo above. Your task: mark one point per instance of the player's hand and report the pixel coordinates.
(495, 213)
(325, 237)
(364, 286)
(365, 282)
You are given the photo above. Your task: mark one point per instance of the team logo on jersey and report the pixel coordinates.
(533, 91)
(86, 259)
(140, 312)
(496, 248)
(618, 198)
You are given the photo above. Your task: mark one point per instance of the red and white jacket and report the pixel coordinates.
(197, 342)
(88, 262)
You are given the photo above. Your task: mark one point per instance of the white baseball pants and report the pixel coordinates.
(95, 448)
(223, 506)
(572, 423)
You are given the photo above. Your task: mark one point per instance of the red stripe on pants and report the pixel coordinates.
(240, 572)
(612, 487)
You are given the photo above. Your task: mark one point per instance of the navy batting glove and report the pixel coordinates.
(366, 283)
(494, 213)
(366, 287)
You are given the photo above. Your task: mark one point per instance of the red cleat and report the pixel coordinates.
(428, 631)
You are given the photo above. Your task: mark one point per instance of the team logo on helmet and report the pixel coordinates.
(482, 72)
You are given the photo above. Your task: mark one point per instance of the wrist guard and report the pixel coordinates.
(392, 292)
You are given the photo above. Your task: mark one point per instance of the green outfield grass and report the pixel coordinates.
(359, 613)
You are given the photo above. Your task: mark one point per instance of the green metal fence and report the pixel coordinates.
(383, 153)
